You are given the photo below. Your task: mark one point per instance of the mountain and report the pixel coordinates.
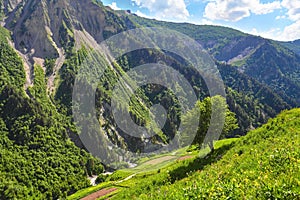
(267, 61)
(294, 46)
(44, 42)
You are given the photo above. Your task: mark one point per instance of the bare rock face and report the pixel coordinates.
(50, 29)
(41, 27)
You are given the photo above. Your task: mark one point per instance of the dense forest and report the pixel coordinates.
(38, 160)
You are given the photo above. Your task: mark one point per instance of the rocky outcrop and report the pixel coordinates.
(49, 29)
(41, 27)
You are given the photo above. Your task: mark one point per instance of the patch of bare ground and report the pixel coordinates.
(58, 64)
(99, 194)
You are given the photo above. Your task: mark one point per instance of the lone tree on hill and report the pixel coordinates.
(208, 125)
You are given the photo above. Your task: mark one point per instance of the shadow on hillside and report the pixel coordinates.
(198, 164)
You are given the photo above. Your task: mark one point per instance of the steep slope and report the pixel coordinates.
(277, 67)
(262, 165)
(294, 46)
(38, 160)
(44, 30)
(267, 61)
(252, 101)
(59, 34)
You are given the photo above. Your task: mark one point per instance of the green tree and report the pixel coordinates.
(208, 123)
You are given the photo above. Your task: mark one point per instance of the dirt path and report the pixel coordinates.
(126, 179)
(106, 191)
(99, 194)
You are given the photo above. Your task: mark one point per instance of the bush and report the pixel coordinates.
(101, 178)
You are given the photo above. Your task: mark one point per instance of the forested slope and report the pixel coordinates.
(38, 160)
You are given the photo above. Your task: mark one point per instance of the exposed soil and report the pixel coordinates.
(99, 194)
(58, 64)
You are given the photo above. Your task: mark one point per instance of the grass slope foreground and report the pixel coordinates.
(265, 164)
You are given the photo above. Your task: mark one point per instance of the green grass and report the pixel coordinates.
(265, 164)
(145, 171)
(119, 175)
(169, 174)
(262, 165)
(144, 164)
(221, 143)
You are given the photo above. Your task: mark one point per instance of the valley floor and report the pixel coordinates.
(121, 179)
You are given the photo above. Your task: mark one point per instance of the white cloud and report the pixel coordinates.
(235, 10)
(265, 8)
(114, 6)
(293, 7)
(273, 33)
(291, 32)
(280, 17)
(139, 13)
(207, 22)
(165, 9)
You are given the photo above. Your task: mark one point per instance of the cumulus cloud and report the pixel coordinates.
(114, 6)
(207, 22)
(165, 9)
(280, 17)
(235, 10)
(291, 32)
(273, 33)
(293, 7)
(139, 13)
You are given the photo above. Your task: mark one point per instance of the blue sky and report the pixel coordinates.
(275, 19)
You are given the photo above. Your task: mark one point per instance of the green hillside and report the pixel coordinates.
(275, 64)
(37, 159)
(294, 46)
(262, 165)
